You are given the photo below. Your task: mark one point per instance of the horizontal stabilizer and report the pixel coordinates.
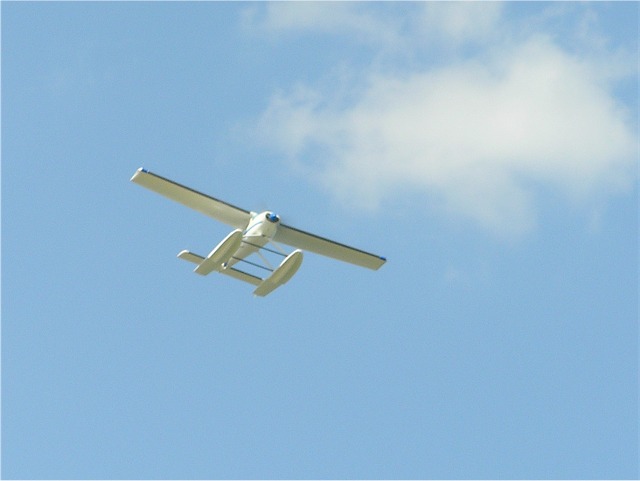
(191, 257)
(229, 271)
(242, 276)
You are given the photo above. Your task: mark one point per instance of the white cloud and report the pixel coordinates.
(459, 22)
(342, 18)
(475, 135)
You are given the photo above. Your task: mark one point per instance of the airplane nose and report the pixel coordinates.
(272, 217)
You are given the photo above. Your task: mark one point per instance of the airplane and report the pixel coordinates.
(253, 231)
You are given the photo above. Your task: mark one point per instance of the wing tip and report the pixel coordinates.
(141, 170)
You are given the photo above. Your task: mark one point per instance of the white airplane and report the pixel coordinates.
(252, 233)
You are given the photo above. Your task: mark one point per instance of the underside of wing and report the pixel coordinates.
(207, 205)
(313, 243)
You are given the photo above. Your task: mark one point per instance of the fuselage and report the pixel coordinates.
(261, 229)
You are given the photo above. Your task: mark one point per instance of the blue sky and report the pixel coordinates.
(489, 151)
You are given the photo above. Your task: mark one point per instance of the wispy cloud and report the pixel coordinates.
(458, 22)
(476, 134)
(353, 19)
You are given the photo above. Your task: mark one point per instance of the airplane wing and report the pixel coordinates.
(310, 242)
(207, 205)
